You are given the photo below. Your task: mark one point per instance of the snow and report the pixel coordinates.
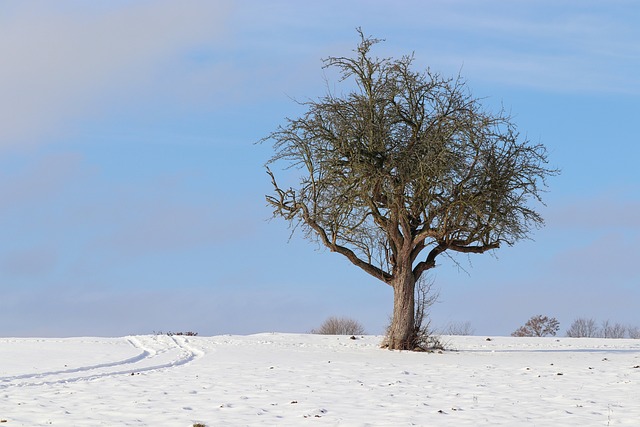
(297, 380)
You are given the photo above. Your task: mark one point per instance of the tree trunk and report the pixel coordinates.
(402, 332)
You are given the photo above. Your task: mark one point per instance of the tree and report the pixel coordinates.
(633, 332)
(339, 326)
(404, 167)
(613, 330)
(583, 327)
(538, 326)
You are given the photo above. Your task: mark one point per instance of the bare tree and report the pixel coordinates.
(339, 326)
(613, 330)
(538, 326)
(583, 328)
(402, 168)
(633, 332)
(459, 328)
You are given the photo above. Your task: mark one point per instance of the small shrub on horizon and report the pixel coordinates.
(633, 332)
(186, 334)
(583, 328)
(613, 330)
(339, 326)
(459, 328)
(170, 334)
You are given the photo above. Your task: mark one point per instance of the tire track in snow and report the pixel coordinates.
(172, 352)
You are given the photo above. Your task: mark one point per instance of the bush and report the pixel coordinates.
(538, 326)
(425, 338)
(633, 332)
(186, 334)
(613, 330)
(587, 328)
(583, 328)
(459, 328)
(339, 326)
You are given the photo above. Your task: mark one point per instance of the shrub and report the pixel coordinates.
(186, 334)
(538, 326)
(583, 328)
(425, 298)
(339, 326)
(633, 332)
(613, 330)
(459, 328)
(588, 328)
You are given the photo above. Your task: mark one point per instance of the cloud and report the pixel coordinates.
(59, 60)
(545, 45)
(72, 60)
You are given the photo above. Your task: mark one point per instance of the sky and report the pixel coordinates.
(132, 196)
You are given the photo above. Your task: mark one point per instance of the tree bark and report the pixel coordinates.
(402, 333)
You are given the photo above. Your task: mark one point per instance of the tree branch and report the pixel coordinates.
(475, 249)
(287, 206)
(348, 253)
(430, 262)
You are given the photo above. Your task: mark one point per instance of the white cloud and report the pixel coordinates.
(58, 60)
(65, 60)
(549, 45)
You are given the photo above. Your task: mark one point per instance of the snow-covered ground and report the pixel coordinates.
(297, 380)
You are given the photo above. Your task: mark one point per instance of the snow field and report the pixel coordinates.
(291, 379)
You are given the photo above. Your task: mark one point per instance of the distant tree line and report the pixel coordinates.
(585, 328)
(536, 326)
(542, 326)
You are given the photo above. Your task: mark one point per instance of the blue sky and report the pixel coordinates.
(133, 191)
